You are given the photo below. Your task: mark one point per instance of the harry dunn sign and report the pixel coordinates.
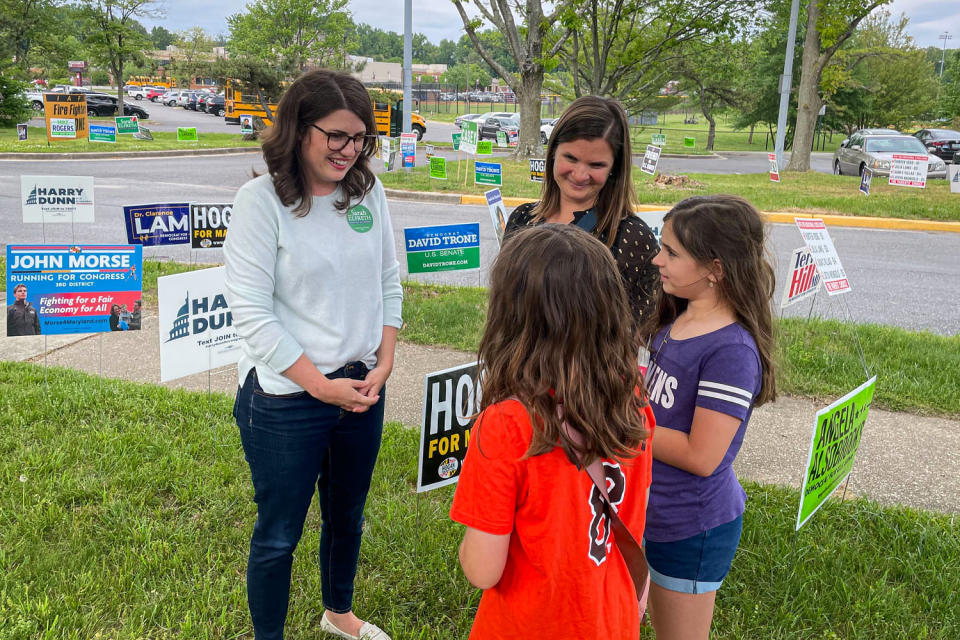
(208, 225)
(443, 248)
(802, 279)
(815, 235)
(450, 397)
(833, 447)
(65, 115)
(56, 199)
(74, 288)
(158, 224)
(195, 324)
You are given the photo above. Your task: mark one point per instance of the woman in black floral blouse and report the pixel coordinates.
(587, 183)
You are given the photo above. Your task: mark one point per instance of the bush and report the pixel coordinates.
(14, 106)
(100, 78)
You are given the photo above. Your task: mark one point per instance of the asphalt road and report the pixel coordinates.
(909, 279)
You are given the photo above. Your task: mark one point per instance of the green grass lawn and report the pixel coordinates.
(812, 193)
(126, 512)
(918, 371)
(162, 140)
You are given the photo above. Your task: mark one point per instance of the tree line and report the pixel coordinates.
(721, 56)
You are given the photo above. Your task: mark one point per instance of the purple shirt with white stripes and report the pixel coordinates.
(721, 371)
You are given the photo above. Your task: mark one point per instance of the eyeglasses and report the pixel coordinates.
(339, 141)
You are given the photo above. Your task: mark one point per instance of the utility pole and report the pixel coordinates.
(943, 52)
(407, 65)
(786, 80)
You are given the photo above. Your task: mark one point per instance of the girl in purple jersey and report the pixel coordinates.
(712, 363)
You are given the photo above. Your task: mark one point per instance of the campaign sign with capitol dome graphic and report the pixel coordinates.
(196, 325)
(56, 199)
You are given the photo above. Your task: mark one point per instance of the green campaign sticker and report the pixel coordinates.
(360, 219)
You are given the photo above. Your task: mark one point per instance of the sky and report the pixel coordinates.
(438, 19)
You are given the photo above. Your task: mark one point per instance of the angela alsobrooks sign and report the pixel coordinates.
(52, 199)
(75, 287)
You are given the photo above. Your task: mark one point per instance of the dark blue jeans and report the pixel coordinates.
(295, 446)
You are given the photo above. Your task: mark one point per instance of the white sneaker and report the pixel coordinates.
(367, 632)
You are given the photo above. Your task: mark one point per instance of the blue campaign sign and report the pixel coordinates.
(447, 236)
(73, 288)
(158, 224)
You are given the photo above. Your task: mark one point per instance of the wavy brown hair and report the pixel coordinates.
(729, 229)
(558, 331)
(589, 118)
(312, 96)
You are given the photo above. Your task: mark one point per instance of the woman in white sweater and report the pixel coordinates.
(313, 284)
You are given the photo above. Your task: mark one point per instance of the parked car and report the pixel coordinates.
(467, 116)
(216, 105)
(191, 102)
(35, 98)
(170, 98)
(139, 93)
(943, 143)
(183, 98)
(499, 122)
(546, 128)
(202, 97)
(103, 105)
(155, 94)
(876, 153)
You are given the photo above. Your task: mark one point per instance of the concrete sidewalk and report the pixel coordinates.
(903, 458)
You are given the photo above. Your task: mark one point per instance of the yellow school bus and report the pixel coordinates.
(237, 103)
(152, 81)
(389, 120)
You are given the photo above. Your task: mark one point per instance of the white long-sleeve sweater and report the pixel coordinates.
(324, 284)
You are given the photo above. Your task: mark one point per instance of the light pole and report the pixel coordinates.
(785, 81)
(943, 52)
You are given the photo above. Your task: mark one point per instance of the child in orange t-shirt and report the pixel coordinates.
(558, 347)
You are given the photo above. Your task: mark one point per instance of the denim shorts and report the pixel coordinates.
(697, 564)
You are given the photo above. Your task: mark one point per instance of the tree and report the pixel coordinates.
(114, 36)
(829, 24)
(711, 68)
(23, 23)
(194, 54)
(14, 107)
(624, 48)
(464, 74)
(161, 38)
(292, 33)
(526, 45)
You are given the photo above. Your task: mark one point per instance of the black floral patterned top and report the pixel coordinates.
(633, 250)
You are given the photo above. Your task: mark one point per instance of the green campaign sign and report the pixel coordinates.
(450, 247)
(438, 167)
(658, 139)
(456, 141)
(689, 143)
(488, 173)
(127, 124)
(187, 134)
(833, 447)
(485, 148)
(102, 133)
(501, 138)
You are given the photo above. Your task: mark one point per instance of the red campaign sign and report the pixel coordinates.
(774, 170)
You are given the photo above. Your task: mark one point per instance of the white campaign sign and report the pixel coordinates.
(650, 160)
(953, 174)
(654, 220)
(498, 215)
(815, 235)
(802, 278)
(196, 326)
(470, 138)
(47, 199)
(908, 170)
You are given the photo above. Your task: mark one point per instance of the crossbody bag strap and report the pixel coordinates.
(630, 549)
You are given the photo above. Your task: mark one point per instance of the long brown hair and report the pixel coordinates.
(589, 118)
(312, 96)
(729, 229)
(558, 331)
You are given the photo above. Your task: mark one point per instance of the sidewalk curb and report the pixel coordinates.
(101, 155)
(783, 217)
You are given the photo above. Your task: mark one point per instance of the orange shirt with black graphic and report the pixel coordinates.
(564, 576)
